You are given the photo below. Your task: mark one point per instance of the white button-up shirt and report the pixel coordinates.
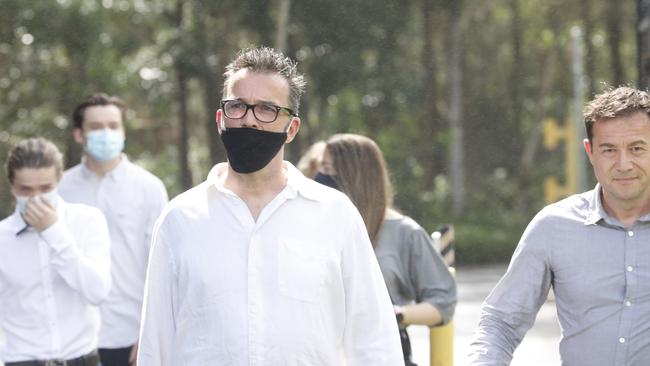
(131, 199)
(49, 282)
(299, 286)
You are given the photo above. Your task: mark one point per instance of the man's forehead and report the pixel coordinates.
(628, 129)
(264, 86)
(102, 113)
(35, 176)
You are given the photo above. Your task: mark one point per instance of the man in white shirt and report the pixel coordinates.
(54, 266)
(259, 265)
(131, 198)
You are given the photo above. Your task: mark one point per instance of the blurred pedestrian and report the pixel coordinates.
(592, 248)
(419, 283)
(309, 163)
(54, 265)
(260, 265)
(131, 198)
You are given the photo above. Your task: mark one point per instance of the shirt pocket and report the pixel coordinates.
(301, 271)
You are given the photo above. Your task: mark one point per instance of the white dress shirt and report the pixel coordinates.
(131, 198)
(49, 282)
(299, 286)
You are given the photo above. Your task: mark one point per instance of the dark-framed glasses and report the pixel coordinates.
(267, 113)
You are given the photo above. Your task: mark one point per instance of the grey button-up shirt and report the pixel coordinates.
(600, 273)
(412, 269)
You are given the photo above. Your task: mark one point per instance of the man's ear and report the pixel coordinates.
(219, 120)
(294, 126)
(78, 135)
(588, 148)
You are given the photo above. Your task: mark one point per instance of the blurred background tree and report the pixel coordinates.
(453, 91)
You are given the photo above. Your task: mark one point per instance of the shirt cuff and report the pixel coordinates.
(57, 236)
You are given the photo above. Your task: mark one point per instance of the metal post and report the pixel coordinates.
(578, 102)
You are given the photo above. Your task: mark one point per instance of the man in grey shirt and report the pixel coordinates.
(593, 248)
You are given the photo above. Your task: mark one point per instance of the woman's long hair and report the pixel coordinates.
(361, 174)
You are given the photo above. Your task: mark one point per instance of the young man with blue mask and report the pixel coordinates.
(54, 266)
(131, 198)
(260, 265)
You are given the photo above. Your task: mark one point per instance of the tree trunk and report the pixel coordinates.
(185, 173)
(517, 67)
(210, 60)
(282, 22)
(643, 42)
(428, 117)
(614, 38)
(457, 154)
(590, 55)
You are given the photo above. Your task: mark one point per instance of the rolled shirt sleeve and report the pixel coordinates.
(430, 276)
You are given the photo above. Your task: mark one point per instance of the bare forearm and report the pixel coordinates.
(421, 314)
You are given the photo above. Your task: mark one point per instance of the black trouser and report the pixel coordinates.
(115, 356)
(406, 347)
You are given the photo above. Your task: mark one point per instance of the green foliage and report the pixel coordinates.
(483, 242)
(379, 69)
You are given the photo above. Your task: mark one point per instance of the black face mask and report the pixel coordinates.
(249, 149)
(326, 180)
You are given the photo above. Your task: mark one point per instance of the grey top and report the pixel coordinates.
(600, 273)
(412, 269)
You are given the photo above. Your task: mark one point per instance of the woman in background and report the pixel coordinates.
(419, 283)
(309, 163)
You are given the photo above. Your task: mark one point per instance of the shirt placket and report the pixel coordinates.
(102, 197)
(627, 312)
(256, 264)
(255, 302)
(48, 291)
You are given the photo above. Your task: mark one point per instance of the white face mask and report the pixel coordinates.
(21, 201)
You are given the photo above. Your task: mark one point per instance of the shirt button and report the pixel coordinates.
(630, 233)
(630, 268)
(621, 340)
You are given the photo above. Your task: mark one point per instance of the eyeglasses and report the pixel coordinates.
(267, 113)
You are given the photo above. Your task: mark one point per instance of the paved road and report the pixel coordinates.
(539, 348)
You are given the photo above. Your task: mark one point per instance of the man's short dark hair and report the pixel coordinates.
(614, 103)
(268, 60)
(34, 153)
(101, 99)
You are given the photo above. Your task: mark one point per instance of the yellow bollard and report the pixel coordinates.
(441, 341)
(441, 351)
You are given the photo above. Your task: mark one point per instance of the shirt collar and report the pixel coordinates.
(597, 210)
(297, 183)
(115, 174)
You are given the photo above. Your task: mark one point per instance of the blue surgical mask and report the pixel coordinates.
(21, 201)
(104, 145)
